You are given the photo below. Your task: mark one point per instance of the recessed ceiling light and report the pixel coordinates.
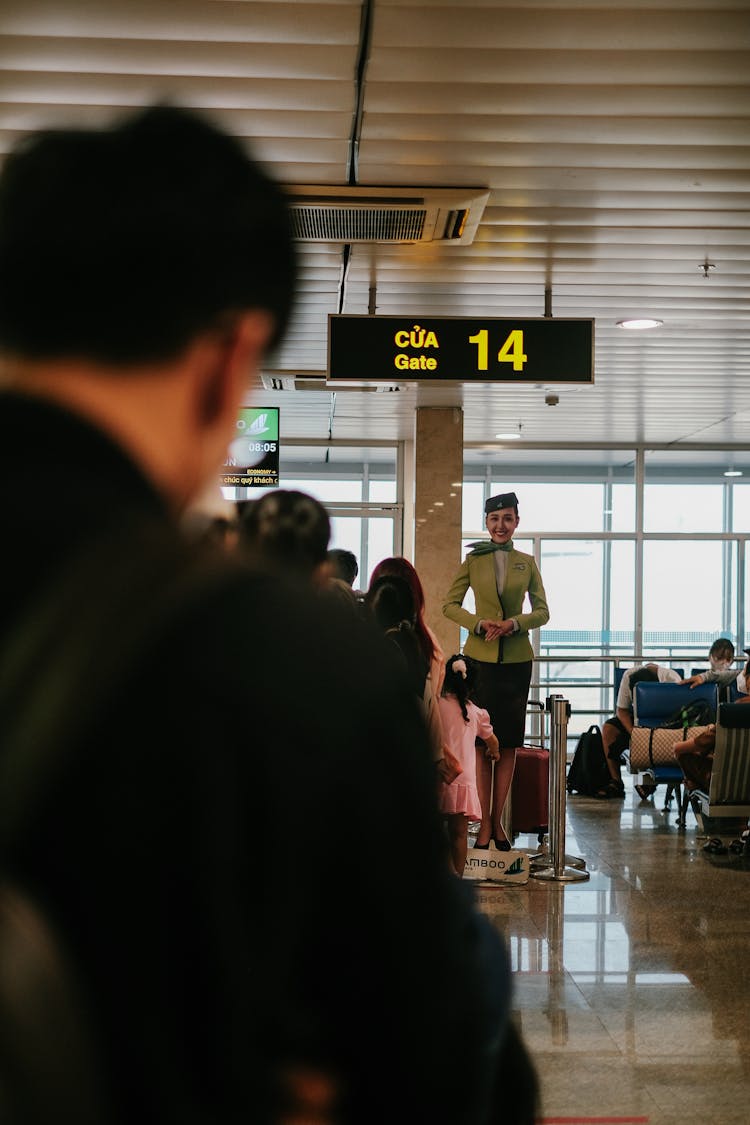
(733, 473)
(508, 437)
(639, 323)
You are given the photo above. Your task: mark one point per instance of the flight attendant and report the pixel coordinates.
(502, 580)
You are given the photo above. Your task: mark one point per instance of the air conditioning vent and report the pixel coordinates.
(396, 215)
(357, 224)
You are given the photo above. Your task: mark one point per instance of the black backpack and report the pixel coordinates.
(697, 714)
(588, 772)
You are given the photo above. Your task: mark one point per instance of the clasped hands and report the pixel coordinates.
(494, 629)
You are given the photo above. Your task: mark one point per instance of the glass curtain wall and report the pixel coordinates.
(642, 554)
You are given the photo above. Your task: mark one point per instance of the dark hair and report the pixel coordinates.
(399, 567)
(285, 530)
(643, 674)
(722, 645)
(390, 601)
(456, 684)
(121, 245)
(344, 564)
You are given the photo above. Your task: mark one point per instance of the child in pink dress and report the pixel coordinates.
(462, 723)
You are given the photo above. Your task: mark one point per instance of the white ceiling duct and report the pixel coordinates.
(278, 381)
(379, 214)
(316, 381)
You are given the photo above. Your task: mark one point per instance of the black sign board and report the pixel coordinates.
(457, 349)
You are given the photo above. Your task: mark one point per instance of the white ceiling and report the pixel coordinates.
(614, 140)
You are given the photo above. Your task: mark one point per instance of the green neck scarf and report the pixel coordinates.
(486, 547)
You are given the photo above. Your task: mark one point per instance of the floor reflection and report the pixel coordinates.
(632, 989)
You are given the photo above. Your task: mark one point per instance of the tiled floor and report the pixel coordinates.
(633, 989)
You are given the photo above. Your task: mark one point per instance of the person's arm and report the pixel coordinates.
(710, 677)
(453, 605)
(626, 718)
(539, 614)
(486, 627)
(493, 747)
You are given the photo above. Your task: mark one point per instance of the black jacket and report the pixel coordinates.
(216, 847)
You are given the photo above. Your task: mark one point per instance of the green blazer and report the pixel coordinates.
(521, 577)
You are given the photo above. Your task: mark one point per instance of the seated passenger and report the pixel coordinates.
(696, 755)
(721, 672)
(616, 731)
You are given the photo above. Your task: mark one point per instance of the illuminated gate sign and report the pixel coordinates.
(456, 349)
(253, 455)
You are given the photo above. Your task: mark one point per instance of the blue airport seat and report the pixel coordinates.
(653, 705)
(621, 669)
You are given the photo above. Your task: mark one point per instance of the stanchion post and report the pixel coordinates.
(557, 868)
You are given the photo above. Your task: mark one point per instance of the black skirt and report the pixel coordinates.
(503, 690)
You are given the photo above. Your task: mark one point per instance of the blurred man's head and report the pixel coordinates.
(121, 245)
(145, 270)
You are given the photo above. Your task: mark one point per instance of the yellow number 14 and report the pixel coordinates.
(511, 351)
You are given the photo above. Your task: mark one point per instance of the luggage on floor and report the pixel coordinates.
(654, 746)
(588, 772)
(530, 790)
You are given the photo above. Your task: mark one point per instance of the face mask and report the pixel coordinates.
(719, 665)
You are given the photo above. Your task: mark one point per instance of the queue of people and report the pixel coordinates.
(289, 532)
(174, 835)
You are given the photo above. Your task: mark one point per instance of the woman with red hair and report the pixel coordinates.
(399, 567)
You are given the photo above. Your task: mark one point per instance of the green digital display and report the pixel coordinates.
(391, 349)
(253, 455)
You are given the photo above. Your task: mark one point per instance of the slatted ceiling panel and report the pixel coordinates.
(154, 58)
(586, 130)
(276, 21)
(470, 101)
(615, 139)
(262, 95)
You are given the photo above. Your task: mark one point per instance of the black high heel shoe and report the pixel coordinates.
(502, 845)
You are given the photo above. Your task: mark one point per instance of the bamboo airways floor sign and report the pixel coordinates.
(455, 349)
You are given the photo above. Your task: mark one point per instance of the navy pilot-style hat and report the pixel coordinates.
(503, 500)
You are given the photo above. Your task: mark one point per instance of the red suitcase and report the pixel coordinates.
(529, 793)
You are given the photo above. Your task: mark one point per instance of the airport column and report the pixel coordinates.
(438, 473)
